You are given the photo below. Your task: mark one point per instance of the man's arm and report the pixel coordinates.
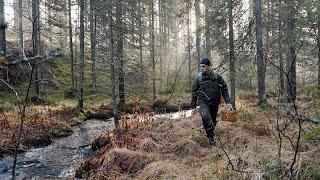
(224, 89)
(195, 88)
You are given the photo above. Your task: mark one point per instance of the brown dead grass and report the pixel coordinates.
(179, 149)
(41, 125)
(165, 170)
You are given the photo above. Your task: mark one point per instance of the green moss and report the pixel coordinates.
(311, 90)
(311, 135)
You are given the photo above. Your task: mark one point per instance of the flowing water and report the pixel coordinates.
(60, 159)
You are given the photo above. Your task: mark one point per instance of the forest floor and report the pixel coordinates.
(179, 149)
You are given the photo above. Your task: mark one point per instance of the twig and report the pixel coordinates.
(174, 84)
(296, 146)
(22, 111)
(229, 160)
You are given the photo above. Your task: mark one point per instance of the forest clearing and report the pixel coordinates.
(159, 89)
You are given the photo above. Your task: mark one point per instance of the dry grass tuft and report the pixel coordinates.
(103, 141)
(192, 161)
(125, 160)
(164, 170)
(36, 135)
(148, 144)
(187, 148)
(61, 130)
(257, 129)
(84, 169)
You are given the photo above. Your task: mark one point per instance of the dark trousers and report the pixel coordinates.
(208, 114)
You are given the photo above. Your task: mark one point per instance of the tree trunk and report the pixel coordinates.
(21, 43)
(119, 54)
(2, 31)
(50, 19)
(71, 45)
(113, 74)
(280, 50)
(76, 51)
(161, 27)
(15, 7)
(81, 68)
(260, 60)
(198, 33)
(2, 38)
(291, 59)
(140, 39)
(93, 43)
(189, 45)
(207, 29)
(152, 58)
(318, 43)
(231, 54)
(36, 43)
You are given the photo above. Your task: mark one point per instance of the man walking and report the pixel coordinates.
(206, 94)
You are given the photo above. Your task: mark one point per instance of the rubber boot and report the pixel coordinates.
(210, 135)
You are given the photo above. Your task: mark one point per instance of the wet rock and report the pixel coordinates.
(9, 150)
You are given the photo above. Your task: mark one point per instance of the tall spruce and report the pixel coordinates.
(198, 32)
(112, 65)
(291, 51)
(93, 32)
(81, 62)
(207, 19)
(72, 73)
(36, 43)
(189, 44)
(318, 41)
(231, 54)
(152, 48)
(21, 43)
(259, 53)
(2, 31)
(119, 53)
(280, 48)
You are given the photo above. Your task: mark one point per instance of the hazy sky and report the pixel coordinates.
(8, 10)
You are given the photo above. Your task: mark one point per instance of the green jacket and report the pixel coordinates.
(208, 88)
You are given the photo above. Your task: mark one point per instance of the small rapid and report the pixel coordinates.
(60, 159)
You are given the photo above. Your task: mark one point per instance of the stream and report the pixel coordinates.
(60, 159)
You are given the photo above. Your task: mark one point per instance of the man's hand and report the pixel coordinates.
(229, 107)
(195, 110)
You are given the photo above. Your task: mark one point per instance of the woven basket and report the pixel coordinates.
(229, 115)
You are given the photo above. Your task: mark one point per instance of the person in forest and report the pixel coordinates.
(207, 89)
